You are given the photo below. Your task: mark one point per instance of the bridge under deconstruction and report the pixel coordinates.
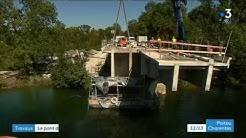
(160, 62)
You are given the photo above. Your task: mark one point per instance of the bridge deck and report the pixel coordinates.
(171, 57)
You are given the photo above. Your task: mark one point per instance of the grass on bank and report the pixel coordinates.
(36, 81)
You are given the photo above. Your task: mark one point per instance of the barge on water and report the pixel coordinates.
(120, 92)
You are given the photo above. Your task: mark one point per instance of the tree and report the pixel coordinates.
(156, 21)
(10, 35)
(136, 28)
(209, 22)
(237, 51)
(217, 29)
(85, 28)
(67, 74)
(109, 31)
(238, 10)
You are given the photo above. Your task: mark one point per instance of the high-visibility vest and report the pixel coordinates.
(174, 39)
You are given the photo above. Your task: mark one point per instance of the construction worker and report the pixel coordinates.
(159, 40)
(123, 42)
(174, 39)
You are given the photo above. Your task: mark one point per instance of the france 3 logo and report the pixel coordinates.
(226, 14)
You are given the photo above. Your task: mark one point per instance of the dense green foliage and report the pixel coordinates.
(32, 81)
(31, 32)
(202, 24)
(68, 74)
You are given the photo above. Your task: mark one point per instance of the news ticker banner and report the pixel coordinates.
(213, 125)
(35, 128)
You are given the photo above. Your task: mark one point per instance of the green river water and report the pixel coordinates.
(69, 109)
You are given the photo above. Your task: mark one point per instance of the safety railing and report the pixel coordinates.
(181, 47)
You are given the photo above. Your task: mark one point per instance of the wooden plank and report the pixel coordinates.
(185, 51)
(187, 44)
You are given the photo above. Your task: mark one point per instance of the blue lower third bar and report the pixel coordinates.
(220, 125)
(23, 128)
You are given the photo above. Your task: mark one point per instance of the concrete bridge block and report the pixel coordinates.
(130, 62)
(161, 88)
(112, 65)
(209, 78)
(209, 74)
(175, 78)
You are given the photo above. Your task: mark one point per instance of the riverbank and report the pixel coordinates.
(12, 79)
(68, 73)
(12, 82)
(17, 81)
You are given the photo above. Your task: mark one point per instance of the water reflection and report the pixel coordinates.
(68, 108)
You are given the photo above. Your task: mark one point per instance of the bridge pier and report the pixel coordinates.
(209, 74)
(130, 62)
(112, 64)
(167, 71)
(175, 77)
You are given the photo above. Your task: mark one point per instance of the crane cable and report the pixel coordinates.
(128, 33)
(116, 22)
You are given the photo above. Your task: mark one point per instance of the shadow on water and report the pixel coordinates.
(68, 108)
